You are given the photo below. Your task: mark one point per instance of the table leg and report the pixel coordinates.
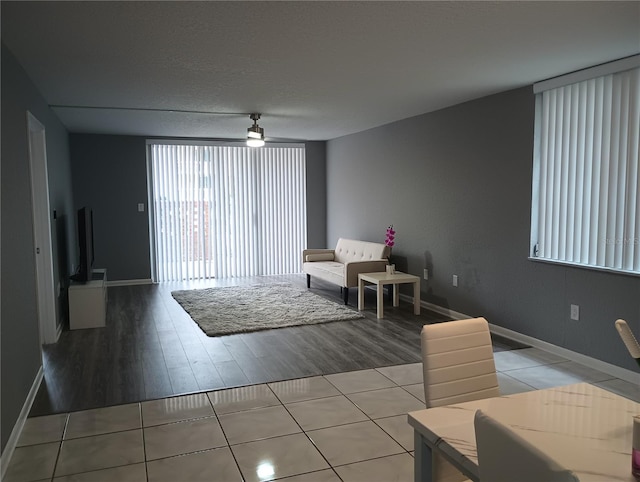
(422, 460)
(380, 299)
(360, 294)
(416, 298)
(396, 295)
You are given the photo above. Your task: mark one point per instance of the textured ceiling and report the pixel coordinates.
(315, 70)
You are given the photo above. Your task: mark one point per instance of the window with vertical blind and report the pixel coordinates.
(586, 206)
(223, 211)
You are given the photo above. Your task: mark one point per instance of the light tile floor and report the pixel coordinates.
(343, 427)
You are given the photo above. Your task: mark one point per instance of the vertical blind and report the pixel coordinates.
(227, 211)
(586, 205)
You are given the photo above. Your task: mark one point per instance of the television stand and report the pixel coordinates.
(88, 302)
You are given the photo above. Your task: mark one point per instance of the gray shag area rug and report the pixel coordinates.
(241, 309)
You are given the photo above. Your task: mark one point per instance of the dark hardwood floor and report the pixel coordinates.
(151, 348)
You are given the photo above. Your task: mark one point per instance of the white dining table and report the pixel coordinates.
(583, 427)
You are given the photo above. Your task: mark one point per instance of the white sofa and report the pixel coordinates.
(341, 265)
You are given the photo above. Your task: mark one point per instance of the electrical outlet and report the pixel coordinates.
(426, 274)
(455, 280)
(140, 207)
(575, 312)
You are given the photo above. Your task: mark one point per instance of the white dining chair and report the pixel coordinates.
(458, 366)
(504, 456)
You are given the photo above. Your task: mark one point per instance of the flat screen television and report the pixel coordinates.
(85, 246)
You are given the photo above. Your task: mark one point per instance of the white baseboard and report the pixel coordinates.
(130, 282)
(608, 368)
(455, 315)
(604, 367)
(7, 453)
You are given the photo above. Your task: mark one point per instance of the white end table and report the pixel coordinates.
(381, 279)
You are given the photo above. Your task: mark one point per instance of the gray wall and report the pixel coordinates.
(20, 357)
(456, 184)
(110, 177)
(315, 156)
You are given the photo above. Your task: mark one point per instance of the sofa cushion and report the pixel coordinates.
(353, 250)
(327, 270)
(319, 257)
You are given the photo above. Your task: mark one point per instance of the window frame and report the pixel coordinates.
(619, 66)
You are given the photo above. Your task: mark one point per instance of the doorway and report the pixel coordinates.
(47, 318)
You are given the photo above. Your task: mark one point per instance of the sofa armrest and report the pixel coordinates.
(353, 268)
(305, 252)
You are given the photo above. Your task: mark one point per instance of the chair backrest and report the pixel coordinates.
(457, 359)
(354, 250)
(504, 456)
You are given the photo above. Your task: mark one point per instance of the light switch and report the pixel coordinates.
(140, 207)
(575, 312)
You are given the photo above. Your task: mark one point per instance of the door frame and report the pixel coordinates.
(43, 250)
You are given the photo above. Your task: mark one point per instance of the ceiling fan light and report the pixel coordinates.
(255, 133)
(255, 142)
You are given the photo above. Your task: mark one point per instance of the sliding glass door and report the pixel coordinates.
(223, 211)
